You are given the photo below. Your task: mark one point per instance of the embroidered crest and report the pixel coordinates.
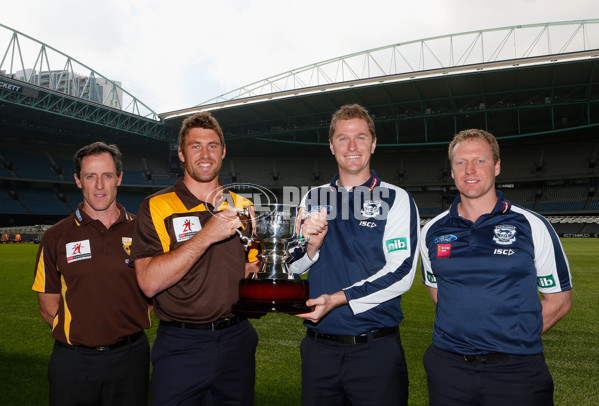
(504, 234)
(371, 208)
(127, 244)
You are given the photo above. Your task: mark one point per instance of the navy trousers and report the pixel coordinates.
(203, 367)
(372, 373)
(87, 377)
(520, 381)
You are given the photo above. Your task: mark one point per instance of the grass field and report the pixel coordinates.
(571, 347)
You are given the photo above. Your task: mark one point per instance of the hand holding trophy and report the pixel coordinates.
(273, 289)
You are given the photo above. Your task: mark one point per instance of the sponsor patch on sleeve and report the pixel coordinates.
(397, 244)
(431, 277)
(545, 281)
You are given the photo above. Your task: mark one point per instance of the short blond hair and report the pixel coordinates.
(475, 134)
(349, 111)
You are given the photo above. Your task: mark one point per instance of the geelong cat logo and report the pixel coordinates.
(371, 208)
(504, 234)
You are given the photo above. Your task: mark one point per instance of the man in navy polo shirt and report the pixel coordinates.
(483, 261)
(362, 255)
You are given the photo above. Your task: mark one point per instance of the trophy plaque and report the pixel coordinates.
(273, 289)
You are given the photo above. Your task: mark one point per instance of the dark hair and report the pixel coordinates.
(98, 148)
(200, 120)
(349, 111)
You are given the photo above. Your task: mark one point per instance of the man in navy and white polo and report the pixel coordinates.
(362, 255)
(483, 262)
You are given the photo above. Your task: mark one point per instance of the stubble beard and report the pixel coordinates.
(195, 174)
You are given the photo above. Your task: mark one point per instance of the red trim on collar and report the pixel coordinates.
(373, 184)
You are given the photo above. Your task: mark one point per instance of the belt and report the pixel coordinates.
(489, 358)
(125, 341)
(360, 339)
(219, 324)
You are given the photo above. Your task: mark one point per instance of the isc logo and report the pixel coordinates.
(397, 244)
(545, 281)
(503, 251)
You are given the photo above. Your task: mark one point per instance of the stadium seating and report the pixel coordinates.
(42, 202)
(524, 197)
(10, 205)
(29, 165)
(550, 178)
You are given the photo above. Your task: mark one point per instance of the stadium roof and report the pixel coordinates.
(48, 96)
(27, 59)
(514, 81)
(466, 51)
(537, 79)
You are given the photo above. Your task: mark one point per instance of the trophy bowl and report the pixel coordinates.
(273, 289)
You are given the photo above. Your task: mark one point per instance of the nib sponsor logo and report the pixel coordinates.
(397, 244)
(545, 281)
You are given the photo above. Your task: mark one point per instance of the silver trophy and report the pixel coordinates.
(273, 288)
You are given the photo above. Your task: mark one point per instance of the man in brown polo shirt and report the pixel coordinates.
(189, 259)
(89, 295)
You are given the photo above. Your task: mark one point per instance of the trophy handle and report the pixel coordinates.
(301, 241)
(245, 240)
(245, 212)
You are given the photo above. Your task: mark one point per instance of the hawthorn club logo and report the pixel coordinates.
(127, 244)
